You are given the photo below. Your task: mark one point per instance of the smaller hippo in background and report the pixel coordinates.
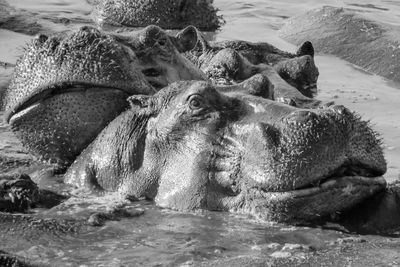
(191, 146)
(67, 87)
(350, 34)
(168, 14)
(233, 61)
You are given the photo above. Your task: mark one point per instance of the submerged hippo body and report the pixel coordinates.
(191, 147)
(169, 14)
(66, 88)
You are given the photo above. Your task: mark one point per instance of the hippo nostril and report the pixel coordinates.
(41, 38)
(340, 109)
(287, 101)
(89, 30)
(162, 42)
(86, 28)
(53, 44)
(302, 115)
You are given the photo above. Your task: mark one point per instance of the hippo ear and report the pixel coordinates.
(306, 49)
(139, 101)
(189, 39)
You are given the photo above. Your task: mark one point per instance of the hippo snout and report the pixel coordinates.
(306, 146)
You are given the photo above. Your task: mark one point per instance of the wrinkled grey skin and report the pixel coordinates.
(168, 14)
(66, 88)
(192, 147)
(233, 61)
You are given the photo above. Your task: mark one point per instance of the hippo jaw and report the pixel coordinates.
(55, 130)
(252, 155)
(53, 90)
(331, 196)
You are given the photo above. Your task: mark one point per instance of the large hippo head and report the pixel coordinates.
(66, 88)
(190, 146)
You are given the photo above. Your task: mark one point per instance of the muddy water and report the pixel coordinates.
(162, 237)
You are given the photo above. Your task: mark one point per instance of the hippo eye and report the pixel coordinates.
(195, 102)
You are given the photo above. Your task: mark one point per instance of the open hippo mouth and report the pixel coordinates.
(53, 90)
(326, 197)
(349, 179)
(61, 119)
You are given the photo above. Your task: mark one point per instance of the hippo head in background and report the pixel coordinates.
(168, 14)
(232, 61)
(191, 146)
(66, 88)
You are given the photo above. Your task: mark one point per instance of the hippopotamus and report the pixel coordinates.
(166, 14)
(194, 145)
(67, 87)
(191, 146)
(294, 75)
(94, 72)
(350, 35)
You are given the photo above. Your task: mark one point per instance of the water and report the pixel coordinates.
(163, 237)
